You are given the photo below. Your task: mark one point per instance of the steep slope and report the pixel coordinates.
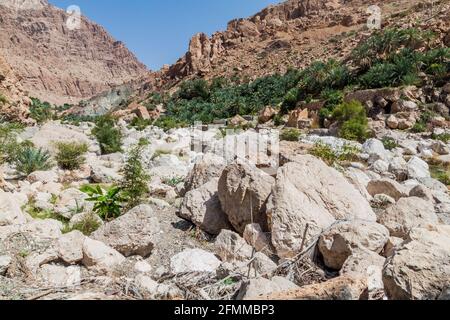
(57, 64)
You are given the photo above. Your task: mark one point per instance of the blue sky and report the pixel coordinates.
(158, 31)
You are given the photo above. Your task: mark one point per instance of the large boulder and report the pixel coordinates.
(420, 266)
(194, 260)
(53, 132)
(10, 212)
(59, 276)
(406, 214)
(210, 166)
(308, 192)
(202, 207)
(346, 238)
(243, 193)
(134, 233)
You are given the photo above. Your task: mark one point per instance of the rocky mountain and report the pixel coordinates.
(57, 64)
(292, 34)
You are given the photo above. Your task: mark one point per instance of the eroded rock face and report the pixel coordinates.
(243, 193)
(133, 233)
(298, 200)
(61, 72)
(420, 266)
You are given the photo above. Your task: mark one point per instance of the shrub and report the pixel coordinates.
(30, 159)
(40, 111)
(87, 225)
(8, 144)
(174, 181)
(444, 137)
(330, 156)
(352, 121)
(422, 124)
(108, 134)
(3, 100)
(135, 181)
(70, 155)
(107, 204)
(389, 143)
(324, 152)
(440, 173)
(140, 124)
(291, 134)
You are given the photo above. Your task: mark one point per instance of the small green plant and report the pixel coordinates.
(134, 185)
(389, 143)
(140, 124)
(70, 155)
(40, 214)
(107, 204)
(444, 137)
(40, 111)
(291, 134)
(422, 124)
(331, 157)
(108, 134)
(31, 159)
(324, 152)
(441, 173)
(174, 181)
(8, 142)
(3, 100)
(352, 121)
(87, 225)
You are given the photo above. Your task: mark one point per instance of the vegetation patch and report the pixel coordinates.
(70, 155)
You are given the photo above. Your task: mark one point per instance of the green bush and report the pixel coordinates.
(444, 137)
(134, 185)
(352, 121)
(3, 100)
(324, 152)
(108, 134)
(87, 225)
(30, 159)
(422, 124)
(291, 134)
(107, 204)
(8, 142)
(40, 111)
(140, 124)
(389, 143)
(70, 155)
(331, 157)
